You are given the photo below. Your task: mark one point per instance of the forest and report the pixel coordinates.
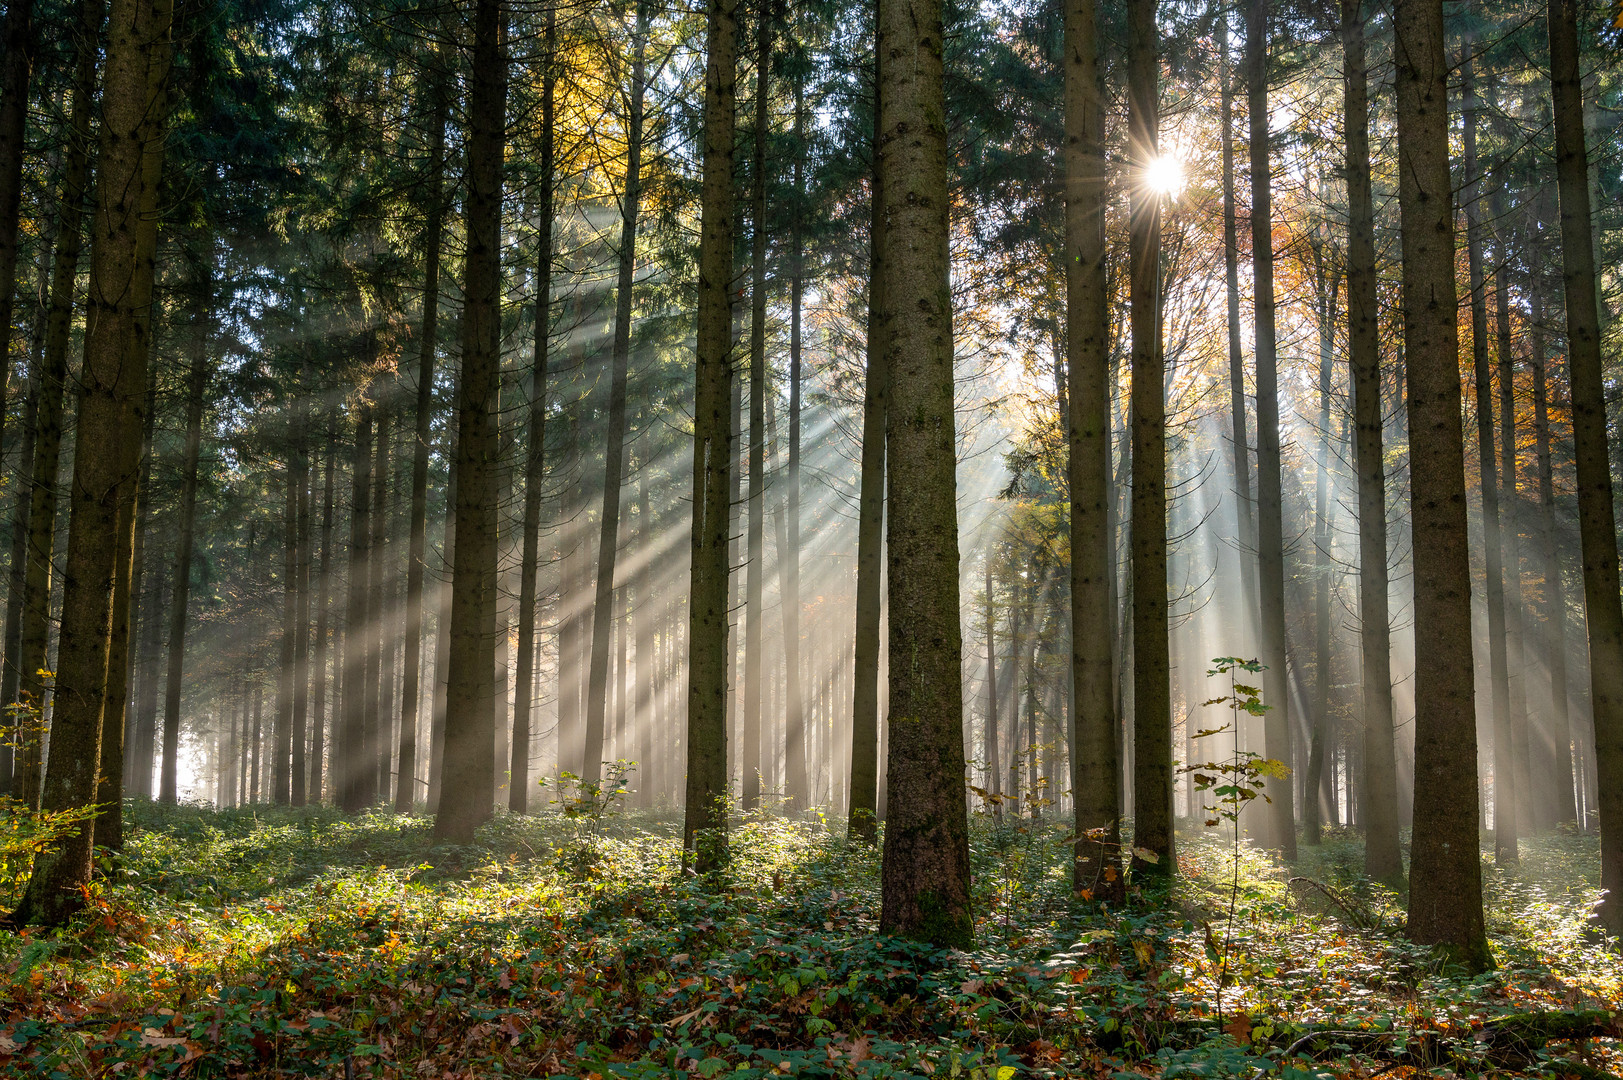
(608, 538)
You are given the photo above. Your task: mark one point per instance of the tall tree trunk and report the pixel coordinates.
(112, 397)
(1096, 866)
(647, 679)
(795, 782)
(301, 587)
(614, 445)
(1239, 437)
(1504, 767)
(16, 71)
(468, 785)
(1515, 658)
(863, 822)
(1445, 894)
(1563, 802)
(197, 384)
(704, 827)
(416, 566)
(353, 775)
(993, 745)
(1279, 828)
(42, 518)
(322, 648)
(925, 871)
(1596, 521)
(536, 435)
(750, 741)
(281, 772)
(1314, 804)
(1382, 859)
(375, 753)
(1152, 703)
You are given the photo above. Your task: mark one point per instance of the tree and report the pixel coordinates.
(468, 786)
(704, 825)
(1094, 780)
(1153, 839)
(1596, 521)
(1382, 859)
(1280, 829)
(925, 871)
(1445, 892)
(112, 396)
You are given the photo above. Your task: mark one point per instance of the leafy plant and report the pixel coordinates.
(1233, 783)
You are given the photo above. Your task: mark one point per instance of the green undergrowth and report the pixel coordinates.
(304, 943)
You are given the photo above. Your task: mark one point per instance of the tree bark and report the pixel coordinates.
(1445, 894)
(16, 71)
(704, 827)
(1279, 827)
(321, 649)
(1383, 861)
(608, 545)
(1596, 521)
(750, 741)
(794, 754)
(925, 869)
(536, 434)
(352, 775)
(468, 786)
(863, 821)
(1504, 768)
(1096, 866)
(112, 398)
(1240, 439)
(1152, 703)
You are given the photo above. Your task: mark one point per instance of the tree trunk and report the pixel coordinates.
(375, 750)
(863, 822)
(197, 384)
(321, 650)
(750, 748)
(352, 774)
(1445, 895)
(281, 772)
(16, 71)
(42, 519)
(1504, 768)
(1314, 804)
(468, 786)
(925, 871)
(301, 607)
(1239, 437)
(1563, 802)
(704, 828)
(1382, 859)
(1152, 720)
(536, 436)
(1596, 521)
(1279, 827)
(614, 445)
(794, 755)
(112, 397)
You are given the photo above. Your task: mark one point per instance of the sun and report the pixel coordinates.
(1164, 175)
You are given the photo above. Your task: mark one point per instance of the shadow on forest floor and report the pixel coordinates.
(301, 942)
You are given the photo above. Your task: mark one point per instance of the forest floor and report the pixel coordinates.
(289, 943)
